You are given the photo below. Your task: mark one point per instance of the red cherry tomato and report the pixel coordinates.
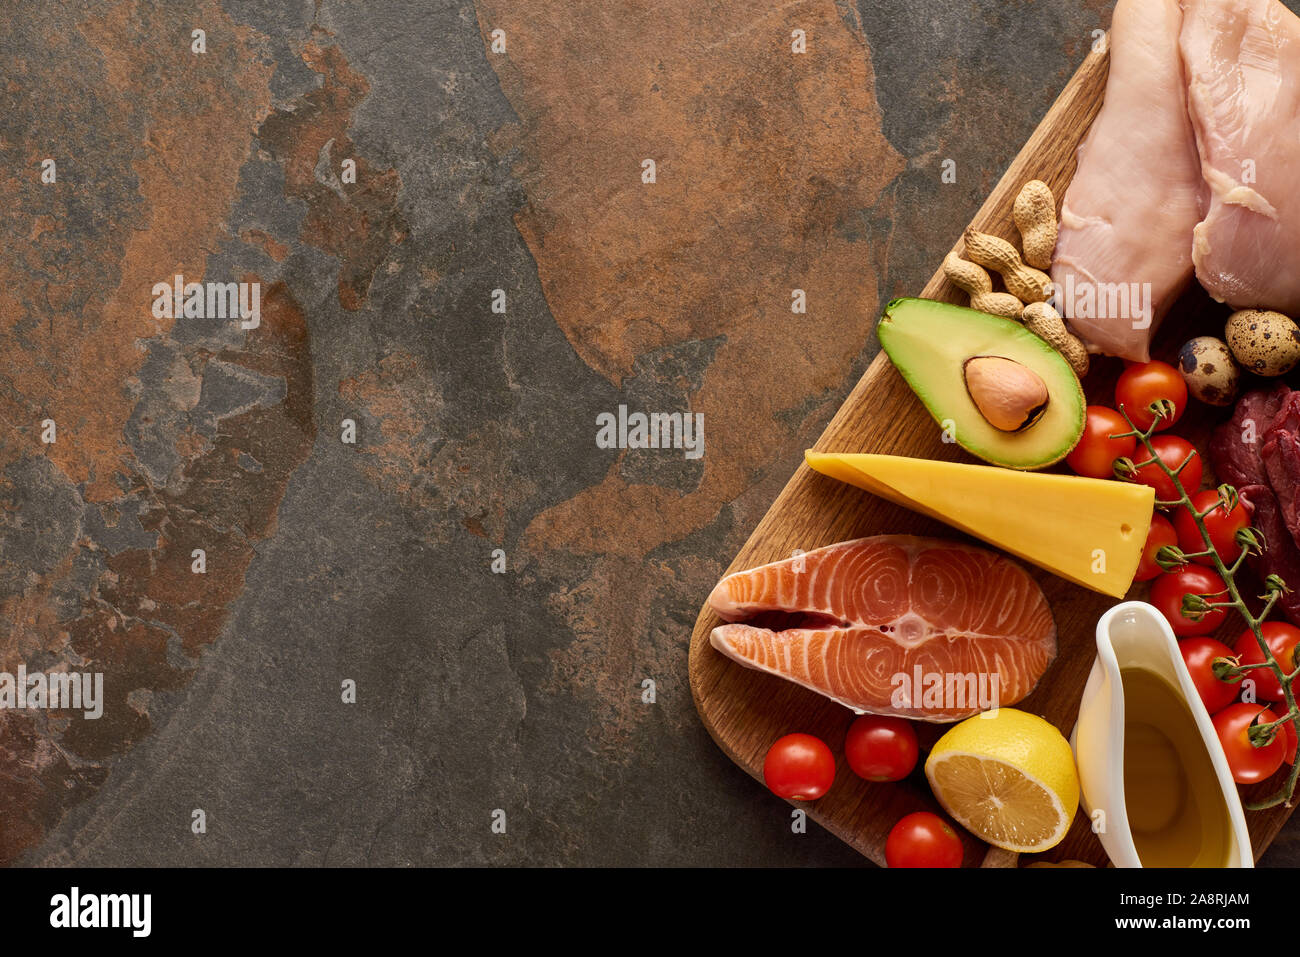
(1220, 523)
(1291, 739)
(1096, 452)
(1199, 654)
(1282, 640)
(799, 767)
(1173, 452)
(1143, 383)
(1161, 534)
(1248, 763)
(881, 748)
(1167, 595)
(923, 839)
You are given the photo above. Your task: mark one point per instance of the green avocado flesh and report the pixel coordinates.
(929, 343)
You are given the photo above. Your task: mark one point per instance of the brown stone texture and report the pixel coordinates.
(499, 587)
(163, 444)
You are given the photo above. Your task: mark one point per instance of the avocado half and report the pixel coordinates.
(929, 342)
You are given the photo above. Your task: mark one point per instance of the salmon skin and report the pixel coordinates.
(895, 624)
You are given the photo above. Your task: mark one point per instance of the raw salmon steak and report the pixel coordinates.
(917, 627)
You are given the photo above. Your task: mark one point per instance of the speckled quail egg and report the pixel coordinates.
(1208, 370)
(1265, 343)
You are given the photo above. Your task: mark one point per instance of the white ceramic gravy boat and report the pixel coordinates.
(1134, 635)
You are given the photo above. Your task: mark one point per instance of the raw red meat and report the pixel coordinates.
(1281, 558)
(1236, 445)
(1282, 463)
(1258, 452)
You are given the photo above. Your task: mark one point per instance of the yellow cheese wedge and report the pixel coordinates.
(1090, 531)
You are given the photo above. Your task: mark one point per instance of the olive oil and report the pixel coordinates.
(1176, 810)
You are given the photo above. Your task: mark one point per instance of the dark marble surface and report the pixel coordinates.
(373, 562)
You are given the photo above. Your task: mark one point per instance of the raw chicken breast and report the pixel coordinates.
(1124, 250)
(1242, 59)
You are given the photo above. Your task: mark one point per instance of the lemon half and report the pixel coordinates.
(1008, 778)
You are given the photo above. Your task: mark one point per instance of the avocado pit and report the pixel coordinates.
(1009, 395)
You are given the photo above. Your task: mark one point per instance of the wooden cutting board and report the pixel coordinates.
(745, 711)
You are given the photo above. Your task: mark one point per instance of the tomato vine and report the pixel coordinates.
(1195, 607)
